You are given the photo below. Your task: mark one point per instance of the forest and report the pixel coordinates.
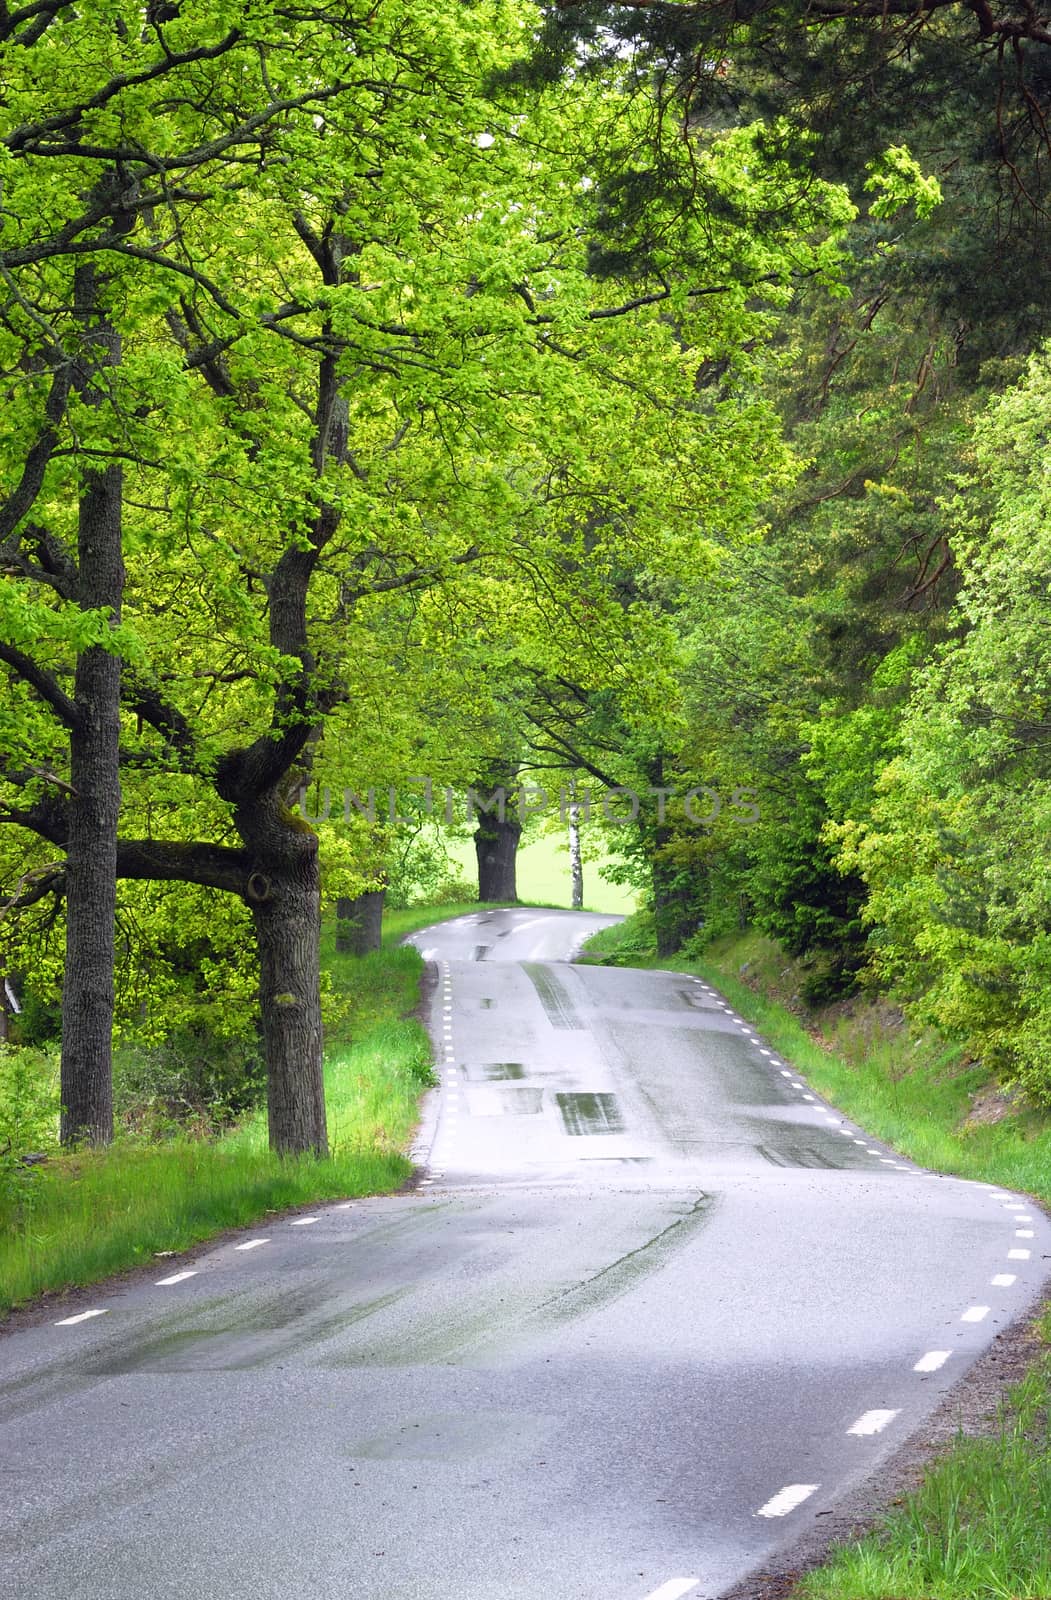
(645, 396)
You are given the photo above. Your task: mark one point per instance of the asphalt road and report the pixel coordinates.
(655, 1309)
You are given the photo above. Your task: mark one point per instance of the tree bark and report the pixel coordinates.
(359, 923)
(576, 868)
(673, 916)
(496, 846)
(94, 775)
(283, 891)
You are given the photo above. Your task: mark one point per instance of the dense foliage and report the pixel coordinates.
(319, 431)
(649, 395)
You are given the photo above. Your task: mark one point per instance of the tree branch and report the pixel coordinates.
(213, 866)
(21, 137)
(33, 886)
(54, 566)
(45, 684)
(148, 703)
(20, 501)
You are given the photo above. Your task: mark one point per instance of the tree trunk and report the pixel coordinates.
(673, 917)
(284, 895)
(94, 775)
(576, 869)
(496, 845)
(359, 923)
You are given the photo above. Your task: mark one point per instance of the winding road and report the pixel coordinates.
(654, 1308)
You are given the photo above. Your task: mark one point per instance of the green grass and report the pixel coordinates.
(625, 944)
(97, 1213)
(543, 879)
(398, 924)
(977, 1528)
(86, 1216)
(543, 875)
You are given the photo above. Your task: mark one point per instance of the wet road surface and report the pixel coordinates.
(654, 1309)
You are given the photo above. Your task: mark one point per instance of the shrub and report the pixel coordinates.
(29, 1107)
(192, 1080)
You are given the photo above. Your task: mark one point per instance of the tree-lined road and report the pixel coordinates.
(655, 1307)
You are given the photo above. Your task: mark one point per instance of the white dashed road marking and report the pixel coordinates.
(302, 1222)
(82, 1316)
(1023, 1233)
(252, 1244)
(872, 1422)
(932, 1361)
(975, 1314)
(1019, 1255)
(787, 1499)
(1003, 1280)
(674, 1589)
(176, 1277)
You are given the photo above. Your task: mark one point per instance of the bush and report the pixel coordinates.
(191, 1080)
(451, 891)
(29, 1107)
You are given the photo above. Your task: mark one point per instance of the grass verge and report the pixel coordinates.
(977, 1528)
(398, 924)
(86, 1216)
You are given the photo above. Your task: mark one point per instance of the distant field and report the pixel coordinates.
(543, 876)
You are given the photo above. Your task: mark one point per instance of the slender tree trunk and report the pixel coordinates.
(359, 923)
(284, 894)
(496, 846)
(673, 916)
(94, 805)
(576, 868)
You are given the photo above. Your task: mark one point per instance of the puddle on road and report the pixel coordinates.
(504, 1101)
(495, 1071)
(697, 1000)
(590, 1113)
